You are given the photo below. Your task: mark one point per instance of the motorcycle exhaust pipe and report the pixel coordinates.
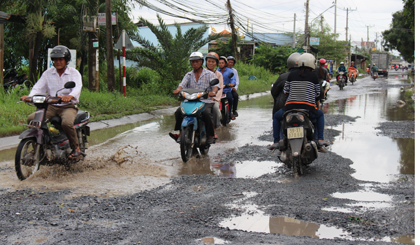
(308, 147)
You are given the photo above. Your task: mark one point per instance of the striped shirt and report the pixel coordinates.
(303, 90)
(50, 82)
(203, 82)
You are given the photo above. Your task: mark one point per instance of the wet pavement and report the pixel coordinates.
(127, 159)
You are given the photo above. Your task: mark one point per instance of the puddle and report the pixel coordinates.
(253, 220)
(375, 157)
(212, 240)
(245, 169)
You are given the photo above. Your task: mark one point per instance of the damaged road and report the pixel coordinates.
(271, 208)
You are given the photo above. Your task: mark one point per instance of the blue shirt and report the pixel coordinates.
(226, 79)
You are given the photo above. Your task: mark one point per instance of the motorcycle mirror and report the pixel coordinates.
(214, 82)
(231, 75)
(70, 84)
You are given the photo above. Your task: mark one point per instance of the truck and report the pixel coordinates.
(381, 60)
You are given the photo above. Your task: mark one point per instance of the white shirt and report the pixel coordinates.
(50, 82)
(235, 72)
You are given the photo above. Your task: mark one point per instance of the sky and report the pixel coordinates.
(268, 16)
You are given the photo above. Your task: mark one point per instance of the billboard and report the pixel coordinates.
(314, 41)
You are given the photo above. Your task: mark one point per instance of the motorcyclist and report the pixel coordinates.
(277, 88)
(231, 64)
(212, 61)
(51, 81)
(342, 68)
(228, 81)
(198, 78)
(374, 69)
(303, 90)
(323, 75)
(353, 66)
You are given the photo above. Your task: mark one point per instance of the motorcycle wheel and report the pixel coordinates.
(225, 116)
(204, 150)
(26, 163)
(186, 142)
(297, 167)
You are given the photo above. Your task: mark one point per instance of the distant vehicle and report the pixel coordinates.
(381, 60)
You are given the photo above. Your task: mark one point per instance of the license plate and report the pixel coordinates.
(294, 133)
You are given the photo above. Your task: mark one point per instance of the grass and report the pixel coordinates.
(144, 94)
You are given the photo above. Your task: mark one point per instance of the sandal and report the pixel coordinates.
(273, 146)
(75, 154)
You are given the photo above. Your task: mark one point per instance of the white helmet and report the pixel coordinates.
(196, 56)
(307, 60)
(341, 63)
(292, 60)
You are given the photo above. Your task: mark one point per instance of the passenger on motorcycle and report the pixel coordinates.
(354, 67)
(323, 75)
(277, 88)
(342, 68)
(54, 79)
(198, 78)
(231, 64)
(374, 69)
(229, 82)
(303, 90)
(212, 61)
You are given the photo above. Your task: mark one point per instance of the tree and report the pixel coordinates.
(273, 59)
(401, 35)
(170, 58)
(328, 48)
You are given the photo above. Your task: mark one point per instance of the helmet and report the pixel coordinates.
(213, 55)
(341, 63)
(307, 60)
(223, 58)
(61, 51)
(196, 56)
(322, 61)
(292, 60)
(231, 58)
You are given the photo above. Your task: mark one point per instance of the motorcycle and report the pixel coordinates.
(12, 80)
(352, 73)
(299, 142)
(341, 80)
(374, 76)
(42, 144)
(193, 130)
(324, 87)
(224, 107)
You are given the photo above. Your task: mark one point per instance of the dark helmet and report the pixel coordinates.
(231, 58)
(61, 51)
(213, 55)
(223, 58)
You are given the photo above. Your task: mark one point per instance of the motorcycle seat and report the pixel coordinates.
(296, 110)
(81, 116)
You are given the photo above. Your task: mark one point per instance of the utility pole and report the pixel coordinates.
(322, 24)
(367, 42)
(307, 27)
(335, 21)
(233, 30)
(1, 53)
(347, 33)
(294, 32)
(109, 47)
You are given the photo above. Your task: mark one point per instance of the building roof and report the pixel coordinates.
(272, 38)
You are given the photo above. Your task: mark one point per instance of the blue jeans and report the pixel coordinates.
(278, 130)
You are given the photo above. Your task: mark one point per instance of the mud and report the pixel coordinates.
(197, 208)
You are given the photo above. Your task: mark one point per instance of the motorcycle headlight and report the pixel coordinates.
(182, 110)
(38, 99)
